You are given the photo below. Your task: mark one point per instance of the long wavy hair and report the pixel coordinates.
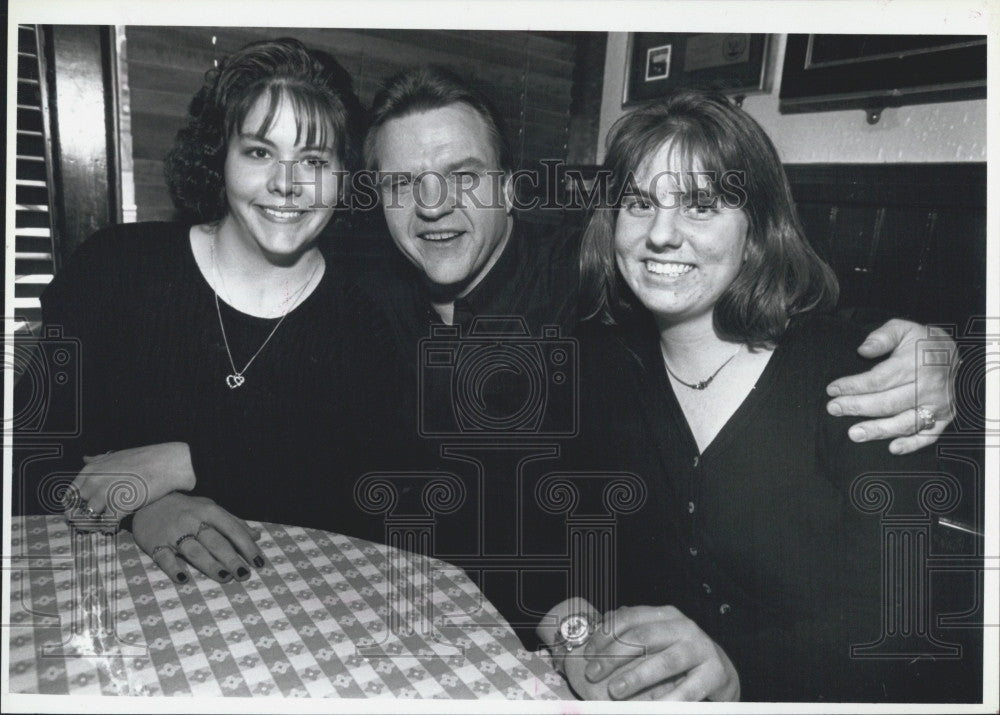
(782, 275)
(318, 89)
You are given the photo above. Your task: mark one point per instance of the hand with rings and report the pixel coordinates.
(117, 483)
(909, 396)
(179, 529)
(83, 517)
(925, 419)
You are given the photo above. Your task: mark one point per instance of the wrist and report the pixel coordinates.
(184, 476)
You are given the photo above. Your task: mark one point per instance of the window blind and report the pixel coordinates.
(34, 254)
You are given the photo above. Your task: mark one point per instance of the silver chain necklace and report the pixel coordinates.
(236, 378)
(703, 383)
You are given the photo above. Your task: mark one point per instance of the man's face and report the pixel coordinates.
(443, 195)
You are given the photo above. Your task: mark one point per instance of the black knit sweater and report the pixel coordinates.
(319, 400)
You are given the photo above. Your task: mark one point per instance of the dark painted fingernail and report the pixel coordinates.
(258, 561)
(181, 576)
(224, 574)
(242, 572)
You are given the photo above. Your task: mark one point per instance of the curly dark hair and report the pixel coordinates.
(315, 84)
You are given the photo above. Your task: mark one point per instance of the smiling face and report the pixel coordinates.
(281, 192)
(677, 254)
(454, 223)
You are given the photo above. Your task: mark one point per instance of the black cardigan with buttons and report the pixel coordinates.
(767, 539)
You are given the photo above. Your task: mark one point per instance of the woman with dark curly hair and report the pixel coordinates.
(224, 354)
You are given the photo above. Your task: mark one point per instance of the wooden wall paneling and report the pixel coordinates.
(855, 237)
(951, 282)
(905, 239)
(896, 260)
(155, 132)
(150, 191)
(890, 184)
(146, 75)
(493, 46)
(585, 106)
(529, 76)
(818, 221)
(173, 48)
(503, 66)
(186, 47)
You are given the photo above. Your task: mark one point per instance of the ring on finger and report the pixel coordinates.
(201, 527)
(181, 539)
(925, 419)
(161, 547)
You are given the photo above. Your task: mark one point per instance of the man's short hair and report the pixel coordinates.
(427, 88)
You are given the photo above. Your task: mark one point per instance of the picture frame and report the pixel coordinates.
(660, 62)
(871, 72)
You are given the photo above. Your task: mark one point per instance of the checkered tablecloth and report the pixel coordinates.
(328, 616)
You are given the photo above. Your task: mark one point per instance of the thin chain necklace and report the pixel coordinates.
(703, 383)
(236, 378)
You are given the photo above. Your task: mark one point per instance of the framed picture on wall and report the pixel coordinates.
(826, 72)
(659, 62)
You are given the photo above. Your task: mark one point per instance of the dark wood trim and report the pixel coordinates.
(907, 240)
(958, 185)
(80, 83)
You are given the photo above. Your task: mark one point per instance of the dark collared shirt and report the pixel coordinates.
(518, 319)
(535, 279)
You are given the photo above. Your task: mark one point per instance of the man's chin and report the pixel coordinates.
(447, 285)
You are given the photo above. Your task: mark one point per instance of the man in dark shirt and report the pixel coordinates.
(469, 282)
(439, 149)
(444, 163)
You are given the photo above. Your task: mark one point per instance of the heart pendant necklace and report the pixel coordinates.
(236, 378)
